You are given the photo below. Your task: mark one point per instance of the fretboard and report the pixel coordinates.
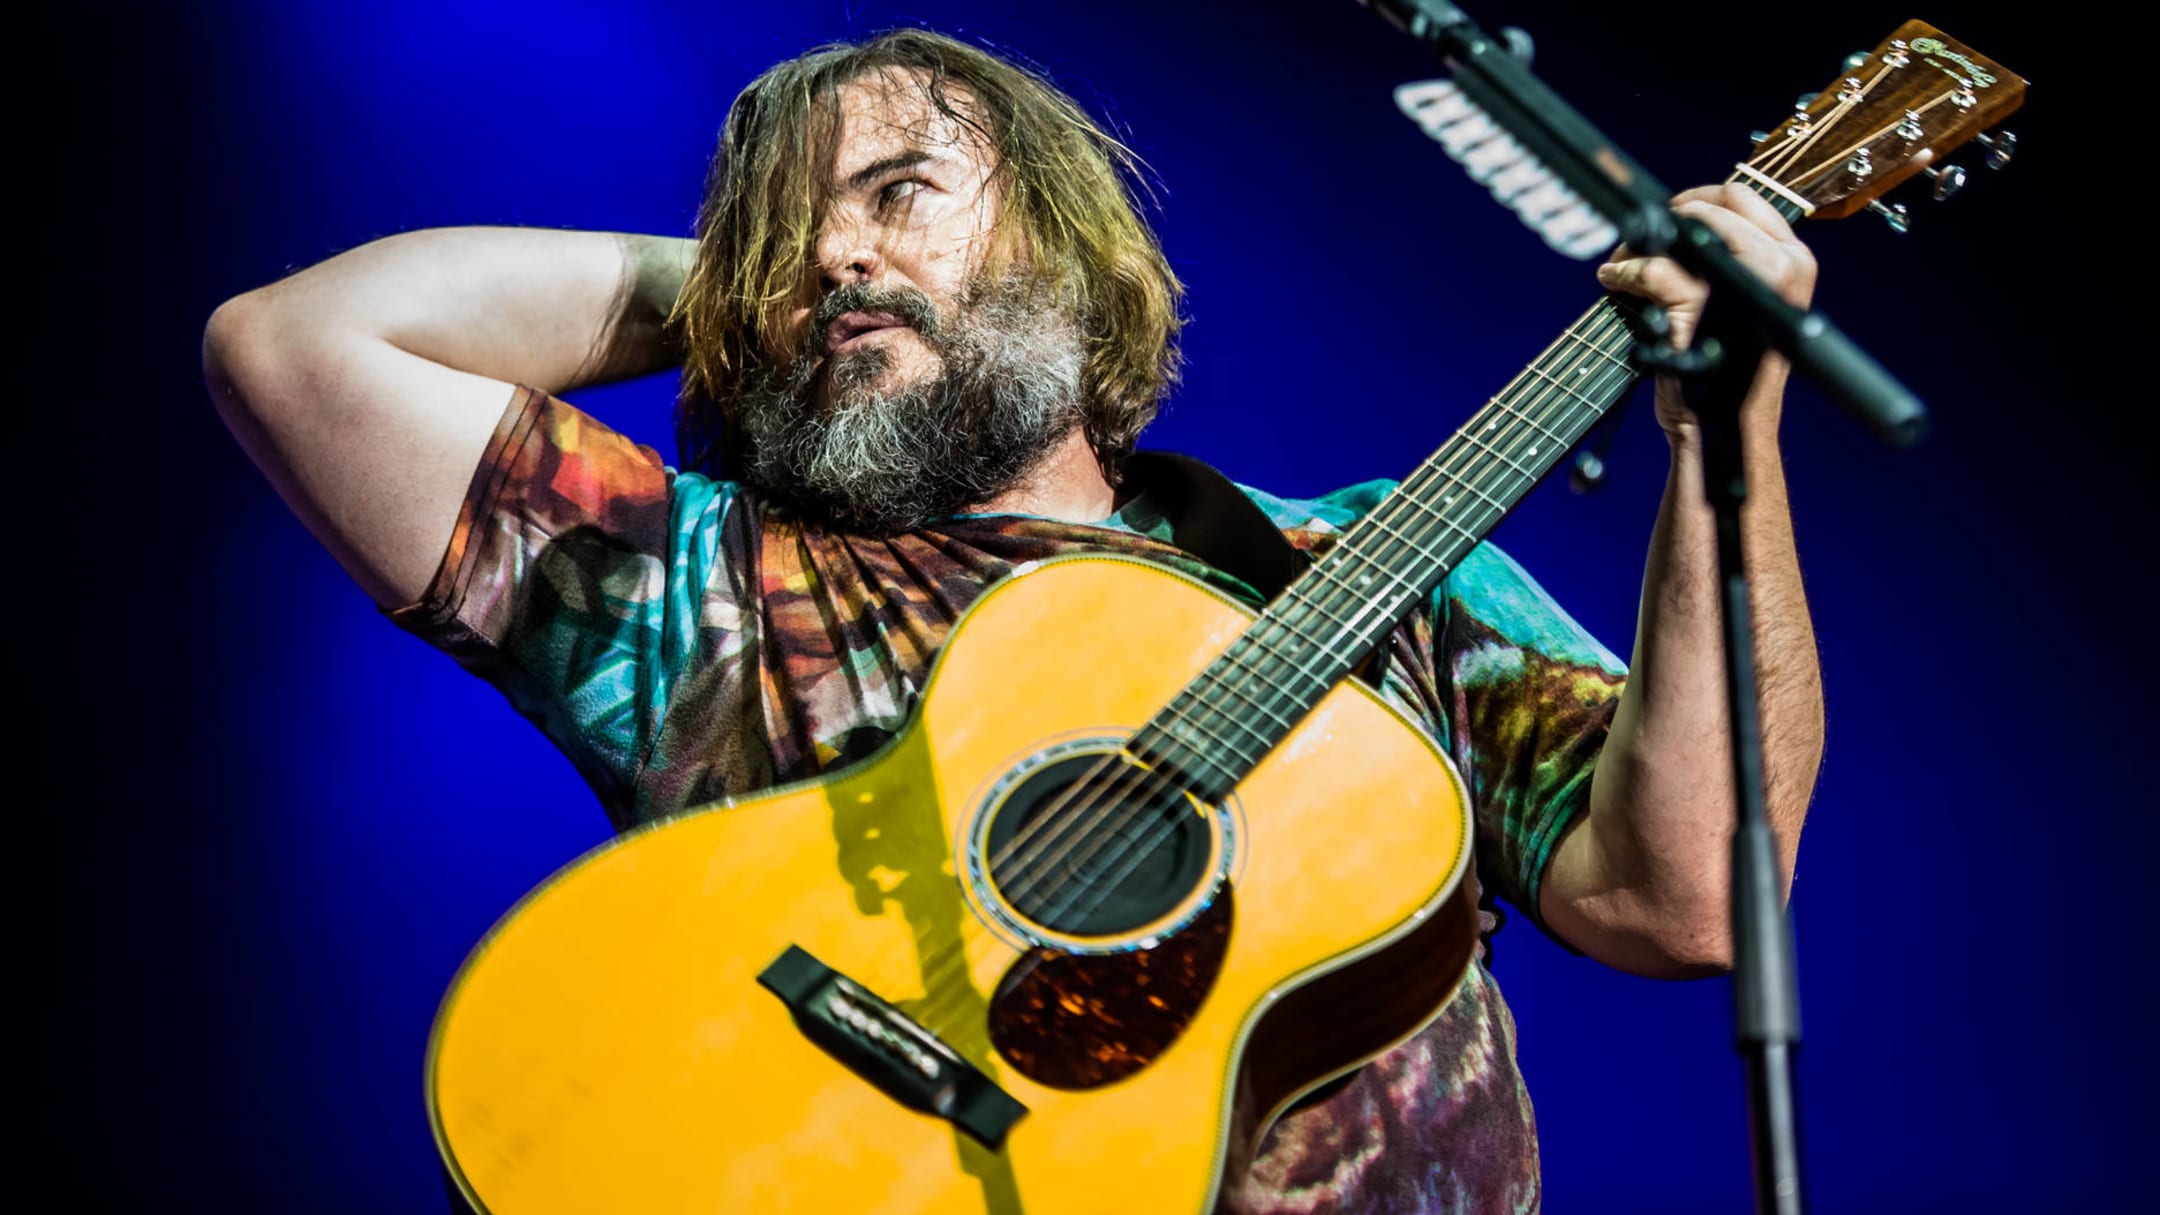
(1221, 724)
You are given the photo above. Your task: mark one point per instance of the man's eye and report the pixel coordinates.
(897, 191)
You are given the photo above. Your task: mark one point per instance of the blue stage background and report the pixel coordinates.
(285, 821)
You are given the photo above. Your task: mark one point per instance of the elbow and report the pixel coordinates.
(1696, 945)
(259, 361)
(1688, 934)
(1668, 934)
(232, 344)
(1682, 930)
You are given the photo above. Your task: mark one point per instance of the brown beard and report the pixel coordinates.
(881, 462)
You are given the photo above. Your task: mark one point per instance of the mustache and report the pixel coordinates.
(904, 304)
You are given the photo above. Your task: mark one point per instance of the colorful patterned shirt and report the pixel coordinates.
(683, 640)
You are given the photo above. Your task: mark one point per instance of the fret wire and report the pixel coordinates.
(1768, 187)
(1233, 687)
(1338, 574)
(1437, 467)
(1235, 656)
(1469, 534)
(1502, 405)
(1201, 706)
(1188, 763)
(1468, 483)
(1607, 316)
(1357, 622)
(1198, 721)
(1461, 474)
(1254, 655)
(1622, 363)
(1465, 480)
(1265, 648)
(1225, 769)
(1472, 437)
(1557, 384)
(1384, 571)
(1379, 519)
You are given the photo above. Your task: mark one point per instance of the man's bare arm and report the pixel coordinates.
(1641, 882)
(367, 386)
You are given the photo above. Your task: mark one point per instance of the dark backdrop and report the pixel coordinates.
(264, 826)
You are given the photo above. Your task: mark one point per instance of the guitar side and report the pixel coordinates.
(608, 1046)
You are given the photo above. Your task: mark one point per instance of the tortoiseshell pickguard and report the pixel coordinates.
(1080, 1021)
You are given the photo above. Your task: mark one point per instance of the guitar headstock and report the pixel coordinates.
(1892, 114)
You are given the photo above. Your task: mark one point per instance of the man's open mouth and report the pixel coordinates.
(851, 325)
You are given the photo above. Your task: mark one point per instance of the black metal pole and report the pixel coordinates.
(1766, 999)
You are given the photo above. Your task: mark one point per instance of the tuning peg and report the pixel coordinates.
(1857, 60)
(1805, 100)
(2001, 147)
(1755, 137)
(1894, 215)
(1948, 180)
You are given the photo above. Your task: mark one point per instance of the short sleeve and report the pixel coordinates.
(1531, 696)
(574, 582)
(1519, 694)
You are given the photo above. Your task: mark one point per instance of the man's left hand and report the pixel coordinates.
(1757, 235)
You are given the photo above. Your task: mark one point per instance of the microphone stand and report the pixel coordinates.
(1747, 318)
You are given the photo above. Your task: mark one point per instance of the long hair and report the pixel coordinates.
(1068, 217)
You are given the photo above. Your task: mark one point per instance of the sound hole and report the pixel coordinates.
(1094, 845)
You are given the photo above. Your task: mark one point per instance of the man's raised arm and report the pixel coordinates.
(367, 386)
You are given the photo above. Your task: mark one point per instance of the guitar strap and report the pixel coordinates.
(1213, 520)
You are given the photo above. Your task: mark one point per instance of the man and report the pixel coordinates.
(921, 327)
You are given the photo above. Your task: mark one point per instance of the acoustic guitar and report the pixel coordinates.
(1068, 944)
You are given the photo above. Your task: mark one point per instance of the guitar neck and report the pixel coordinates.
(1218, 728)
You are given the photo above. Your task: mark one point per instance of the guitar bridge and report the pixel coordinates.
(888, 1048)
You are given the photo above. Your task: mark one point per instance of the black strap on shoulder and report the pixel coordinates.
(1213, 520)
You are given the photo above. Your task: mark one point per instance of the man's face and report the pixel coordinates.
(917, 384)
(911, 210)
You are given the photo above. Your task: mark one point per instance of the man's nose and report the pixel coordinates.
(848, 253)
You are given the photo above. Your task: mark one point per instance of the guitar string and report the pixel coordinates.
(1498, 459)
(1840, 157)
(1574, 334)
(1842, 111)
(1396, 534)
(1143, 849)
(1058, 810)
(1155, 806)
(1511, 407)
(1817, 130)
(1471, 465)
(1384, 522)
(1140, 849)
(1319, 606)
(1276, 627)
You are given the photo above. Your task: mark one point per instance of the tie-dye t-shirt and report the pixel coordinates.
(683, 640)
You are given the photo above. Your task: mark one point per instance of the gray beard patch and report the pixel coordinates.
(879, 463)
